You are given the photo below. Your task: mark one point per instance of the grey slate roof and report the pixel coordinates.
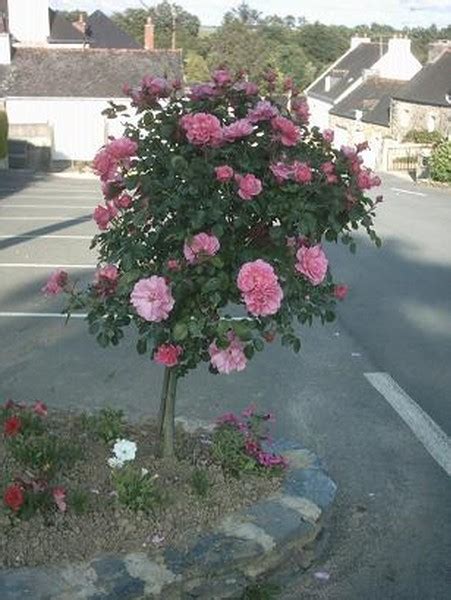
(431, 84)
(62, 31)
(348, 70)
(83, 73)
(102, 32)
(373, 98)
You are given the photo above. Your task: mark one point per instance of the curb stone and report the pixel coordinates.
(217, 565)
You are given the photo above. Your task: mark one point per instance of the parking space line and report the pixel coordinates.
(52, 218)
(57, 206)
(37, 315)
(43, 266)
(46, 237)
(436, 442)
(402, 191)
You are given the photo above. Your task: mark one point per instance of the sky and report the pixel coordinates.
(398, 13)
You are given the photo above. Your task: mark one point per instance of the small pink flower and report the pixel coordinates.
(251, 447)
(202, 129)
(249, 186)
(263, 111)
(59, 495)
(155, 86)
(349, 152)
(104, 214)
(302, 172)
(106, 279)
(168, 355)
(174, 265)
(229, 359)
(260, 288)
(281, 171)
(202, 245)
(366, 180)
(56, 283)
(249, 411)
(312, 263)
(39, 408)
(341, 291)
(123, 201)
(237, 130)
(328, 135)
(222, 77)
(301, 110)
(328, 167)
(224, 173)
(249, 88)
(286, 131)
(152, 299)
(202, 92)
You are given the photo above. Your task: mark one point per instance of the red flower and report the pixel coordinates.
(14, 497)
(59, 495)
(40, 408)
(12, 426)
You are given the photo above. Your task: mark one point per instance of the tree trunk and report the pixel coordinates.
(167, 414)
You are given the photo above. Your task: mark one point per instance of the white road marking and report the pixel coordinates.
(436, 442)
(408, 192)
(58, 206)
(41, 218)
(7, 315)
(41, 266)
(46, 237)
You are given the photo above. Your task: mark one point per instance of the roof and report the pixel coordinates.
(102, 32)
(348, 70)
(78, 73)
(431, 84)
(62, 31)
(373, 98)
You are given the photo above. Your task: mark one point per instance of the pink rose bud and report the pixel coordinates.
(341, 291)
(224, 173)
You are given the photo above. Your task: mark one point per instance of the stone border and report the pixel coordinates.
(219, 564)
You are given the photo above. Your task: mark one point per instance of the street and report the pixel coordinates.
(390, 536)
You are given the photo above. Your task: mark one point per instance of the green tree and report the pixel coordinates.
(196, 68)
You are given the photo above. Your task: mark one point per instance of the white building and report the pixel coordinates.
(388, 61)
(58, 76)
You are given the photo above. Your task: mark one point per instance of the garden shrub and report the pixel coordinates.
(440, 162)
(421, 136)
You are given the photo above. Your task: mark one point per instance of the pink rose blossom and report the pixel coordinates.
(302, 172)
(56, 283)
(366, 180)
(122, 148)
(105, 165)
(104, 214)
(286, 131)
(224, 173)
(263, 111)
(168, 355)
(349, 152)
(301, 110)
(341, 291)
(203, 92)
(222, 77)
(202, 129)
(312, 263)
(202, 245)
(229, 359)
(249, 186)
(249, 88)
(39, 408)
(281, 171)
(156, 86)
(237, 130)
(174, 265)
(328, 167)
(106, 279)
(328, 135)
(123, 201)
(260, 288)
(152, 299)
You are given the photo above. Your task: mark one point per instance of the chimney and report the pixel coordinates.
(399, 46)
(149, 35)
(435, 49)
(29, 21)
(356, 41)
(80, 24)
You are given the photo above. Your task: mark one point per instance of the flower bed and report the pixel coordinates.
(76, 486)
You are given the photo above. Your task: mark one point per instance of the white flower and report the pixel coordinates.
(144, 472)
(124, 451)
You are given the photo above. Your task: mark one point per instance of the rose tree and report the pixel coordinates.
(213, 201)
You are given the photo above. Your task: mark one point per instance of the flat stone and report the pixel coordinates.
(308, 510)
(280, 522)
(313, 484)
(233, 527)
(153, 575)
(301, 459)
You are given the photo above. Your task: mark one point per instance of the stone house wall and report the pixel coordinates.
(406, 116)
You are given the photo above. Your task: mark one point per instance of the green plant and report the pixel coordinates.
(200, 482)
(421, 136)
(79, 501)
(44, 454)
(440, 162)
(261, 591)
(135, 490)
(3, 134)
(228, 450)
(107, 425)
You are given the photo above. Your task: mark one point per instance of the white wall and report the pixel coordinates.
(398, 62)
(79, 128)
(29, 20)
(319, 112)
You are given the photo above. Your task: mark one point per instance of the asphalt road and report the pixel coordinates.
(391, 533)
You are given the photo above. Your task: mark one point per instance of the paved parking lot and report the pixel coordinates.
(392, 530)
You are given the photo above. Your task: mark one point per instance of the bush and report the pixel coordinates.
(421, 136)
(107, 425)
(3, 135)
(136, 489)
(440, 162)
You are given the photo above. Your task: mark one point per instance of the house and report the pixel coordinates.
(56, 77)
(389, 61)
(425, 102)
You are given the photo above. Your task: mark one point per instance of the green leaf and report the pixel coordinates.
(180, 331)
(103, 339)
(259, 344)
(297, 345)
(141, 346)
(249, 351)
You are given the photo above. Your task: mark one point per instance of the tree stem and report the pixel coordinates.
(167, 414)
